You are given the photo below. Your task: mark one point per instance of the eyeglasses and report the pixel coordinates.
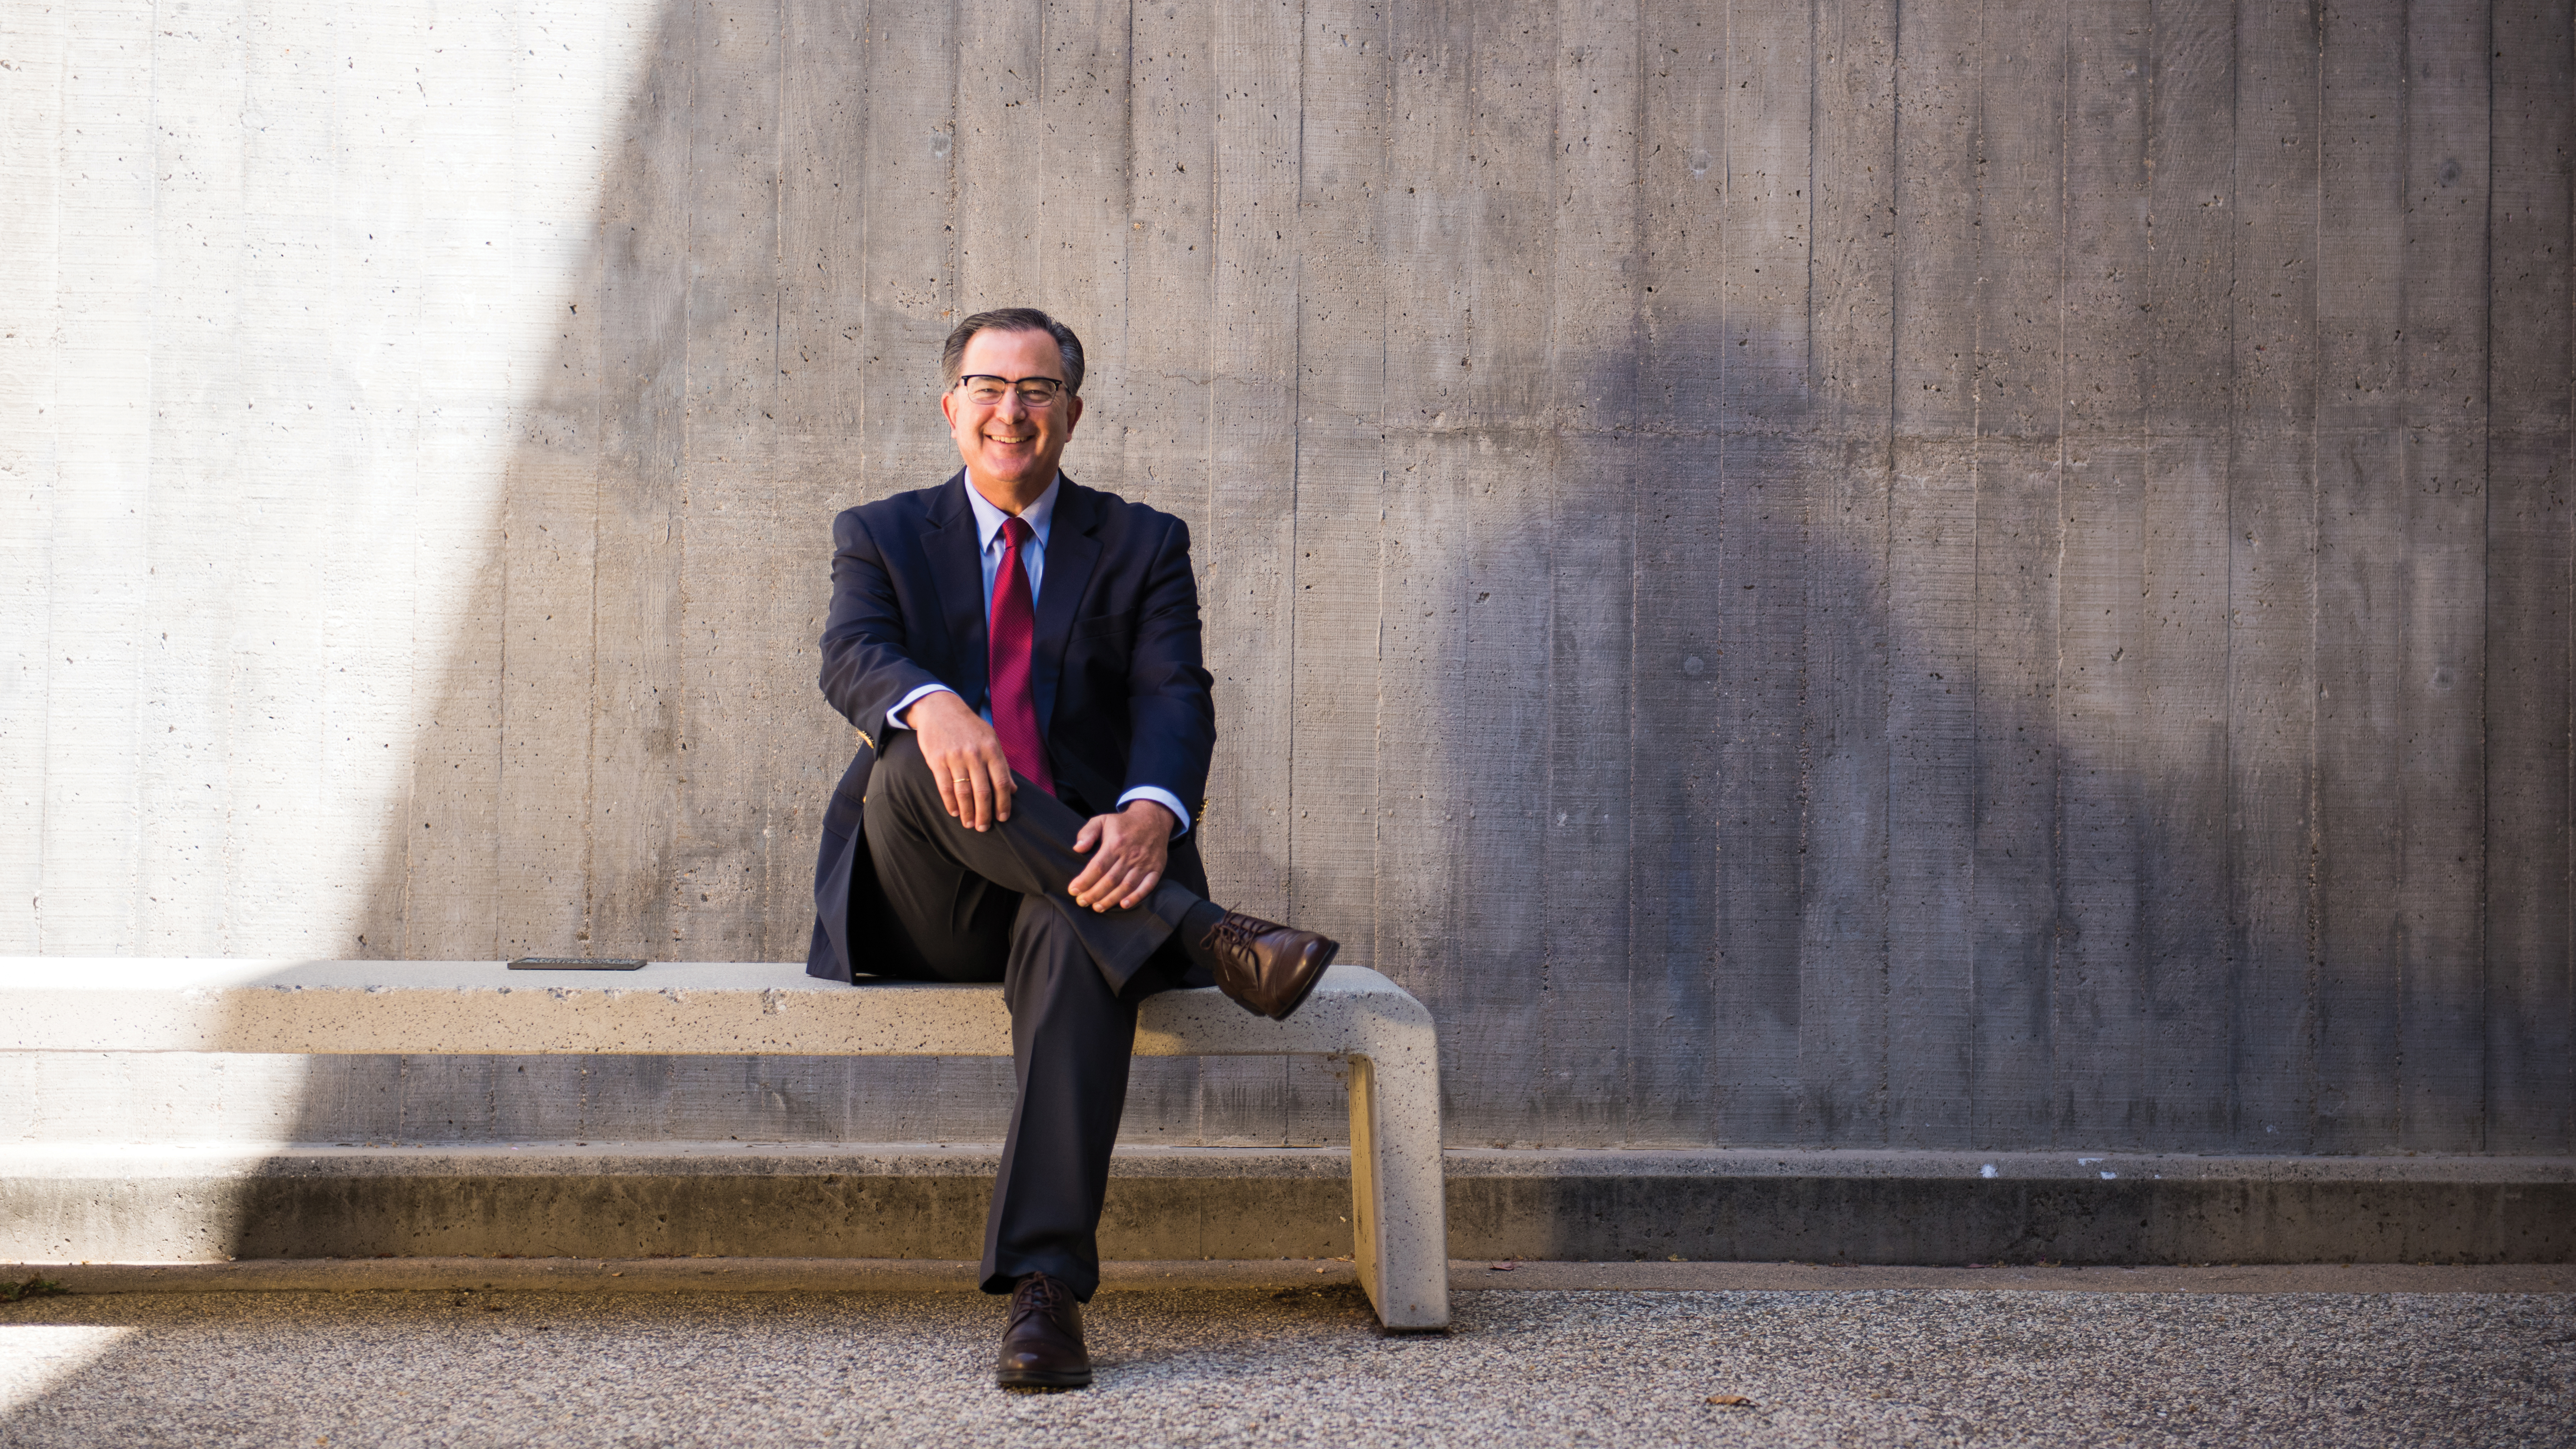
(1035, 392)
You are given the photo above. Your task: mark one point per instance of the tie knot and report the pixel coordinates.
(1017, 530)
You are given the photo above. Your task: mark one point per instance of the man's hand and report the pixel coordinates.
(965, 757)
(1134, 845)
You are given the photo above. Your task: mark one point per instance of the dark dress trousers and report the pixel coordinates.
(902, 889)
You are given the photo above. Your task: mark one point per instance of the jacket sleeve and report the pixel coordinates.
(1170, 715)
(868, 665)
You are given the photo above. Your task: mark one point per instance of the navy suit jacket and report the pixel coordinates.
(1122, 692)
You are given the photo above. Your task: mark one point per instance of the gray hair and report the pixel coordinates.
(952, 358)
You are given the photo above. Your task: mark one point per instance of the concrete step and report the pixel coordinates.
(178, 1204)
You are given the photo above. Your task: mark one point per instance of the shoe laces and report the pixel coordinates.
(1037, 1293)
(1234, 932)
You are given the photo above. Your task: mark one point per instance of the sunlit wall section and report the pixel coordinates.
(285, 288)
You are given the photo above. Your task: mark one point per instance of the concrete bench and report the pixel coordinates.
(326, 1008)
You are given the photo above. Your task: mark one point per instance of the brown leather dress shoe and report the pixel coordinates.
(1042, 1346)
(1265, 968)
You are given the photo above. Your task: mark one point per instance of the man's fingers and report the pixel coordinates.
(949, 788)
(1081, 886)
(998, 771)
(1123, 870)
(1110, 895)
(982, 787)
(1123, 885)
(1098, 883)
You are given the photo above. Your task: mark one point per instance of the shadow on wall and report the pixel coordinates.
(1765, 801)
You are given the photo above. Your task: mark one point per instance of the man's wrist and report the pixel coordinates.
(901, 715)
(1158, 795)
(1171, 822)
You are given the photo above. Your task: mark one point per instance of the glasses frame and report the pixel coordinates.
(1013, 383)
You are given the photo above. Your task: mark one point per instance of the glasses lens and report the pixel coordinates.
(1035, 392)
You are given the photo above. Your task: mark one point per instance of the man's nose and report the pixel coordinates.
(1010, 409)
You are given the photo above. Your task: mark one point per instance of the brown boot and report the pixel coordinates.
(1266, 969)
(1042, 1346)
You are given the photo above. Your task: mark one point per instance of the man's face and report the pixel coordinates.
(1010, 448)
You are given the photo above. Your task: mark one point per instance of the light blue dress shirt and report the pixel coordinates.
(988, 527)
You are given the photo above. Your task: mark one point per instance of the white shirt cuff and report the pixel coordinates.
(1162, 797)
(894, 716)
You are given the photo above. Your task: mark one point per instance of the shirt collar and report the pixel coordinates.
(988, 519)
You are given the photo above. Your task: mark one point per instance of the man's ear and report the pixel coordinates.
(1073, 414)
(948, 408)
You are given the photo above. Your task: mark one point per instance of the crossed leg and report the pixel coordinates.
(981, 906)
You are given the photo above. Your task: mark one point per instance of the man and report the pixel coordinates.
(1020, 655)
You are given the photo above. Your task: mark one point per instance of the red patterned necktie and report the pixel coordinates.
(1015, 708)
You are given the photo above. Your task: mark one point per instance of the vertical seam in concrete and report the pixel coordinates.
(132, 932)
(1215, 390)
(1715, 961)
(2486, 545)
(2315, 765)
(407, 801)
(1286, 683)
(2487, 548)
(1377, 742)
(765, 845)
(2228, 859)
(44, 717)
(152, 291)
(2405, 380)
(1637, 154)
(1976, 538)
(1042, 171)
(2141, 904)
(1296, 452)
(1462, 575)
(866, 27)
(1804, 1107)
(1887, 539)
(2051, 1112)
(956, 233)
(1550, 443)
(590, 689)
(1815, 106)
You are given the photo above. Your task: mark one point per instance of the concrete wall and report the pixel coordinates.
(1974, 575)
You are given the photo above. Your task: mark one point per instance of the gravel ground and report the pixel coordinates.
(1294, 1367)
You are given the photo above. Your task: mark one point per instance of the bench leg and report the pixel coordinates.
(1399, 1212)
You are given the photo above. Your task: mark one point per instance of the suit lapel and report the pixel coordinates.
(957, 566)
(1071, 550)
